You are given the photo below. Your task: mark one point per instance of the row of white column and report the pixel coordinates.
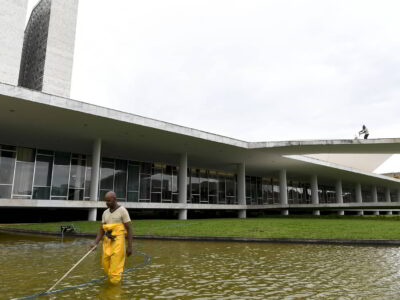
(339, 193)
(241, 182)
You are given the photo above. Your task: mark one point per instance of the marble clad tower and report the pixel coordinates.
(12, 22)
(48, 49)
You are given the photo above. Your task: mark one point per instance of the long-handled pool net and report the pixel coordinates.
(70, 270)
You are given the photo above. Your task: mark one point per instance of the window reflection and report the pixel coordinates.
(7, 163)
(60, 175)
(120, 179)
(43, 171)
(24, 172)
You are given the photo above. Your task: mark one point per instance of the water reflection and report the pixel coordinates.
(204, 270)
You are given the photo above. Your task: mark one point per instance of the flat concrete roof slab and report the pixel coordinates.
(34, 119)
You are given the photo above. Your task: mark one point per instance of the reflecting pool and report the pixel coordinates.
(202, 270)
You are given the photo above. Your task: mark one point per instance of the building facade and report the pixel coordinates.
(12, 22)
(48, 48)
(76, 152)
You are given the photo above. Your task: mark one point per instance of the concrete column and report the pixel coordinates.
(92, 214)
(375, 213)
(94, 183)
(389, 212)
(316, 212)
(398, 195)
(360, 213)
(341, 212)
(182, 198)
(241, 177)
(387, 195)
(284, 212)
(358, 193)
(314, 190)
(182, 214)
(374, 194)
(283, 187)
(339, 191)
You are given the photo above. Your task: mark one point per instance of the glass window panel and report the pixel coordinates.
(45, 152)
(276, 195)
(167, 183)
(259, 188)
(120, 178)
(133, 178)
(23, 178)
(79, 156)
(204, 186)
(203, 198)
(204, 192)
(155, 197)
(212, 200)
(230, 186)
(221, 188)
(195, 199)
(43, 171)
(133, 196)
(58, 198)
(393, 197)
(6, 147)
(5, 191)
(145, 168)
(77, 176)
(107, 175)
(175, 198)
(75, 194)
(212, 184)
(248, 187)
(265, 190)
(102, 194)
(175, 180)
(195, 182)
(7, 163)
(60, 174)
(145, 186)
(26, 154)
(156, 180)
(88, 177)
(253, 190)
(21, 197)
(41, 193)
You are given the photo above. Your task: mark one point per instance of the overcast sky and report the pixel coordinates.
(255, 70)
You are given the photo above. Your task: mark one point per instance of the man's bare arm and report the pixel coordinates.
(128, 228)
(99, 237)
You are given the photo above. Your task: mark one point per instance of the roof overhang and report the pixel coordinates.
(34, 119)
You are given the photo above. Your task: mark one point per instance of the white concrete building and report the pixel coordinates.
(48, 49)
(60, 153)
(12, 23)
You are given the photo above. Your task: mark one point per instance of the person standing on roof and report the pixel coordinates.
(116, 223)
(364, 131)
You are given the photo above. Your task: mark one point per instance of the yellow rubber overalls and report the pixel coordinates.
(114, 252)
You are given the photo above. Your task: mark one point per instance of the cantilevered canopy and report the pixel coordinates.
(34, 119)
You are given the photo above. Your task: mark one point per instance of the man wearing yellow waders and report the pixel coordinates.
(116, 223)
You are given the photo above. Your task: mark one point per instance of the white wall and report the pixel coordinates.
(12, 24)
(60, 47)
